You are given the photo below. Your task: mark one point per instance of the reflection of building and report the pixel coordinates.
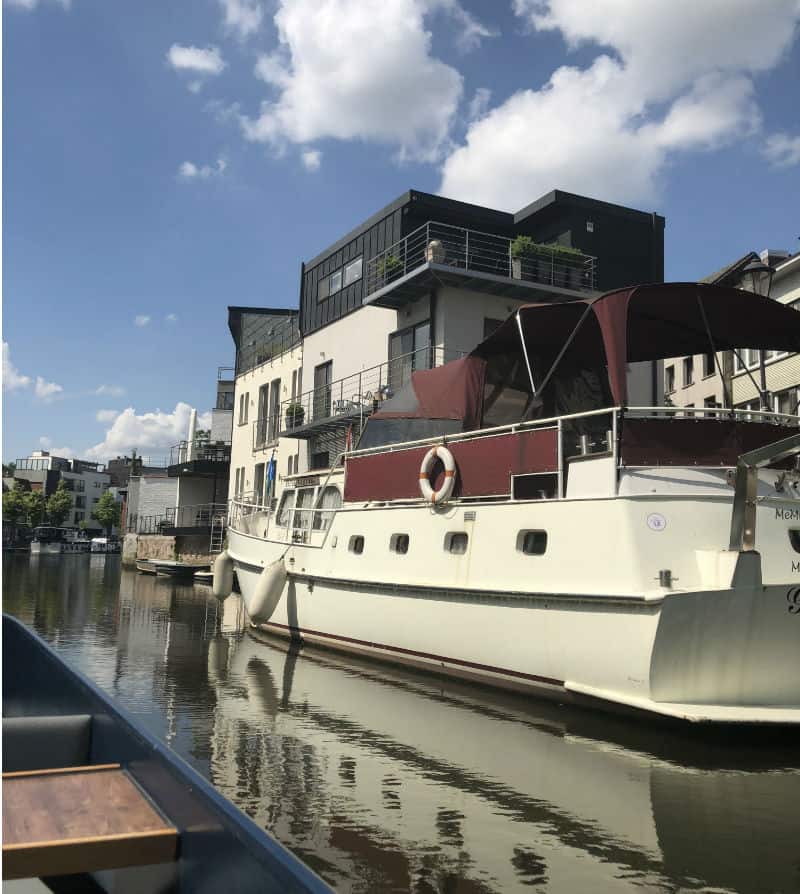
(419, 283)
(85, 481)
(392, 779)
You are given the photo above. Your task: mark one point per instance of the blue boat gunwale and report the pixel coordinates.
(198, 796)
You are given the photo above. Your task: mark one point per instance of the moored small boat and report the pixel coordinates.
(145, 566)
(90, 794)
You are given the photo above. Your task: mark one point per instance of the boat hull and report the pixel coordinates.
(730, 654)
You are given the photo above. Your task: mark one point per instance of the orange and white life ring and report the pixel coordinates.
(443, 494)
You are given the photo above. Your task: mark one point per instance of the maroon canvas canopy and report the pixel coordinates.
(453, 391)
(650, 322)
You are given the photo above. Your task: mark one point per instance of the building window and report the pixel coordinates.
(710, 403)
(80, 502)
(709, 365)
(688, 410)
(688, 371)
(669, 379)
(258, 483)
(323, 377)
(323, 288)
(352, 271)
(244, 399)
(78, 517)
(786, 401)
(409, 349)
(336, 282)
(590, 226)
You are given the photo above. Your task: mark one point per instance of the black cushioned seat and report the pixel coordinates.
(38, 743)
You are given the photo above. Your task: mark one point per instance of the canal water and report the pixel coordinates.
(388, 780)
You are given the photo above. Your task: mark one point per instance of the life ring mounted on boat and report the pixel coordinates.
(443, 494)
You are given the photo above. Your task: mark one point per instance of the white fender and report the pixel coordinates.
(222, 585)
(268, 592)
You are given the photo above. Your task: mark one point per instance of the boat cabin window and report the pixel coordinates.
(285, 508)
(456, 542)
(794, 539)
(356, 544)
(328, 503)
(399, 543)
(532, 543)
(304, 503)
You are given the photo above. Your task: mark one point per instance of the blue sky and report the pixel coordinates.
(162, 161)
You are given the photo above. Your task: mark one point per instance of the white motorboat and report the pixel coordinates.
(507, 518)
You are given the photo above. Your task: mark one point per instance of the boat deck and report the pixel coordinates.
(80, 819)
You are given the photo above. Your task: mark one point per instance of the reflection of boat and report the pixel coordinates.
(181, 570)
(105, 545)
(508, 518)
(430, 776)
(50, 540)
(119, 800)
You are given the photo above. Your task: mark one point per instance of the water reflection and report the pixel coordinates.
(387, 780)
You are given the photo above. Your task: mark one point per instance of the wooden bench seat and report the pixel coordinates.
(80, 819)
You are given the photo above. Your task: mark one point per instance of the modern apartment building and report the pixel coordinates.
(419, 283)
(86, 482)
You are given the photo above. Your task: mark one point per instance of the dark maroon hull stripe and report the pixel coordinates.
(473, 665)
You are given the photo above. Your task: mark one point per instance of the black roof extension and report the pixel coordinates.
(235, 314)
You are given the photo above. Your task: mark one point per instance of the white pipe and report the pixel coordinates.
(192, 433)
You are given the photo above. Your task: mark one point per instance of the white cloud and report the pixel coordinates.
(32, 4)
(46, 391)
(479, 103)
(312, 159)
(470, 31)
(12, 377)
(681, 81)
(141, 320)
(206, 61)
(146, 431)
(782, 150)
(106, 415)
(64, 452)
(171, 318)
(377, 80)
(110, 390)
(242, 17)
(190, 171)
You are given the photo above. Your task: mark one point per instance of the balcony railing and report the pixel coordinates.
(357, 395)
(204, 451)
(481, 253)
(185, 518)
(225, 373)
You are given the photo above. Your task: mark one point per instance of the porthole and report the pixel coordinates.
(356, 544)
(794, 539)
(399, 543)
(532, 543)
(456, 542)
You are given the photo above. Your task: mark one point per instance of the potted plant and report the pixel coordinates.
(389, 267)
(295, 413)
(568, 266)
(529, 260)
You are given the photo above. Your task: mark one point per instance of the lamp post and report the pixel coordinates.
(757, 278)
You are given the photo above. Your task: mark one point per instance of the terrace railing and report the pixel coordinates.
(199, 516)
(207, 451)
(356, 395)
(484, 253)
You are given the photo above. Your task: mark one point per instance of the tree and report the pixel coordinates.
(35, 507)
(107, 511)
(14, 505)
(59, 505)
(9, 469)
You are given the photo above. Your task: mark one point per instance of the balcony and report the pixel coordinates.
(439, 254)
(183, 520)
(205, 460)
(349, 401)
